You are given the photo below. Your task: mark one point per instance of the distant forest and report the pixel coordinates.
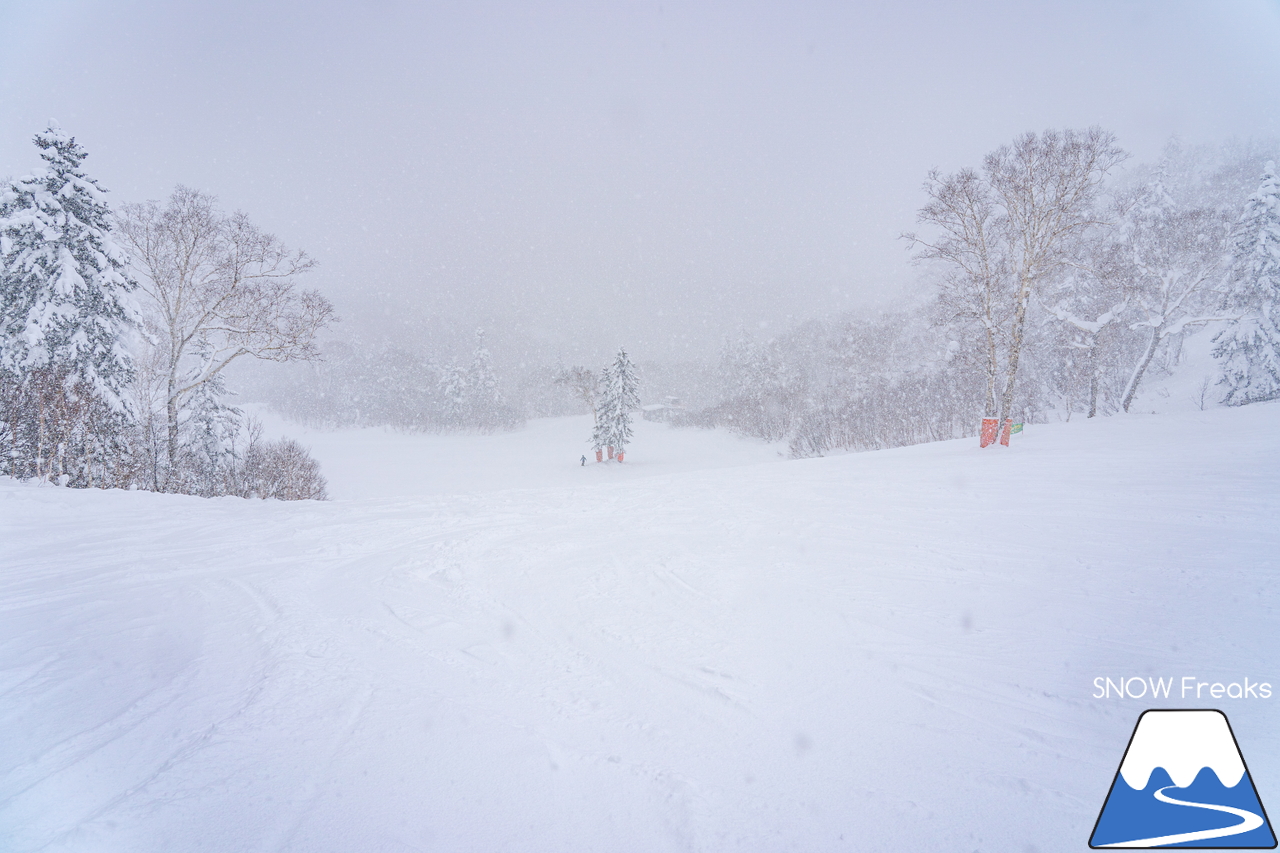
(1130, 266)
(1061, 279)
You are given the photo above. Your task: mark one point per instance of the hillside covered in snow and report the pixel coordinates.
(481, 644)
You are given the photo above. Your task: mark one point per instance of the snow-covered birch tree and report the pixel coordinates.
(1091, 303)
(1175, 255)
(217, 288)
(975, 289)
(583, 383)
(1003, 232)
(1046, 188)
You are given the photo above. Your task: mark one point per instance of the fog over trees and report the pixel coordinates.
(808, 225)
(1055, 289)
(592, 425)
(1048, 298)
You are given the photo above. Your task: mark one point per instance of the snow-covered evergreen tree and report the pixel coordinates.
(210, 433)
(602, 430)
(65, 302)
(620, 397)
(1249, 349)
(453, 391)
(65, 307)
(483, 400)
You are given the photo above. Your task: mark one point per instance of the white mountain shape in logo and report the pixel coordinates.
(1163, 795)
(1183, 743)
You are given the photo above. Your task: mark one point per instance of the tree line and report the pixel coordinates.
(1057, 287)
(116, 328)
(1058, 284)
(361, 385)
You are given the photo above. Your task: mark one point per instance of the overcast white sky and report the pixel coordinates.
(581, 175)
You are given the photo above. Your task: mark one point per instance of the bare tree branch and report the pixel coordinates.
(218, 288)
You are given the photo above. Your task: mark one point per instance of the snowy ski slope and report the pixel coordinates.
(706, 649)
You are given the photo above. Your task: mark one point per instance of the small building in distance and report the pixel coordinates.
(664, 412)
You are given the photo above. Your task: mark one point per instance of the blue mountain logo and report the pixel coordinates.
(1183, 783)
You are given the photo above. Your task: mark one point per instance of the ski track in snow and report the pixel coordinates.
(876, 651)
(1248, 822)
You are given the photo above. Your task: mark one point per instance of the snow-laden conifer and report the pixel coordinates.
(1249, 349)
(602, 430)
(453, 391)
(64, 303)
(65, 309)
(619, 398)
(483, 400)
(627, 398)
(211, 431)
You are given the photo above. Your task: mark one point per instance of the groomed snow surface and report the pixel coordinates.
(481, 645)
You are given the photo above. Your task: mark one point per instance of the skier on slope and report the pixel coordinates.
(584, 460)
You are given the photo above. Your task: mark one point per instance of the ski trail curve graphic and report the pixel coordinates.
(1249, 821)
